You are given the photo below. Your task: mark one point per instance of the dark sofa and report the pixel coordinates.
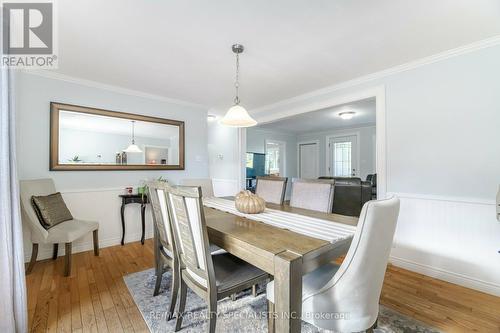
(350, 195)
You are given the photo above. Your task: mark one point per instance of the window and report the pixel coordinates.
(250, 160)
(342, 151)
(273, 159)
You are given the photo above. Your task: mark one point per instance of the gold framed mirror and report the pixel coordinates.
(84, 138)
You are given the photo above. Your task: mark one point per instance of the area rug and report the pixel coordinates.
(245, 314)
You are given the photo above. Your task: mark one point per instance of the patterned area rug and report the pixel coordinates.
(245, 314)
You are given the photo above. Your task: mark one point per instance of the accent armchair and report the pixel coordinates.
(65, 232)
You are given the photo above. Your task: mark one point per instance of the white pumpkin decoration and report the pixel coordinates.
(249, 203)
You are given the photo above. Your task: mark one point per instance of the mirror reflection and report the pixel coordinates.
(95, 139)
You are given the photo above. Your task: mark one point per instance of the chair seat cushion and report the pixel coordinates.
(168, 252)
(311, 282)
(69, 231)
(231, 271)
(215, 250)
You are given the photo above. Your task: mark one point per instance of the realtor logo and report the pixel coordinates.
(28, 35)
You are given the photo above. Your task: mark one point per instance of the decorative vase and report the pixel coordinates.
(249, 203)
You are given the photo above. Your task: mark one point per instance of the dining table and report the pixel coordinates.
(285, 254)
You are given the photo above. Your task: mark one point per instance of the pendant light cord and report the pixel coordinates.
(133, 132)
(237, 79)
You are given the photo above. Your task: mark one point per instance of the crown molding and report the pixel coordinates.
(485, 43)
(338, 130)
(112, 88)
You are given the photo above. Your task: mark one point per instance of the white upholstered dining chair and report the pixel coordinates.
(65, 232)
(350, 293)
(312, 194)
(271, 189)
(206, 184)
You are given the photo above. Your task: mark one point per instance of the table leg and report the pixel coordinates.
(122, 211)
(288, 291)
(143, 220)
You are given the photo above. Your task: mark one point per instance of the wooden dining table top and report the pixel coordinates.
(264, 240)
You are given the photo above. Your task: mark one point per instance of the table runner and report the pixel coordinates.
(310, 226)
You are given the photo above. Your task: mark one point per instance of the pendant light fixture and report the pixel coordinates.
(133, 148)
(237, 116)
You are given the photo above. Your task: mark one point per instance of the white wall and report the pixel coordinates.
(443, 161)
(93, 195)
(223, 156)
(366, 146)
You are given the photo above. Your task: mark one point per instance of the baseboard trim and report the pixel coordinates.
(441, 274)
(46, 253)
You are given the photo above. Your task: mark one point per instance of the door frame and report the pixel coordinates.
(305, 142)
(283, 158)
(339, 135)
(325, 100)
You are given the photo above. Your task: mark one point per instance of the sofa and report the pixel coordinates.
(350, 195)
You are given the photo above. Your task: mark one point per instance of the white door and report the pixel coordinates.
(344, 156)
(308, 160)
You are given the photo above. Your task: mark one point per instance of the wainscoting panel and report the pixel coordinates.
(453, 239)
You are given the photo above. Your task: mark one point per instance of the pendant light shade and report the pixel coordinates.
(133, 148)
(237, 116)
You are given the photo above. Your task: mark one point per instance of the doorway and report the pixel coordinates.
(303, 111)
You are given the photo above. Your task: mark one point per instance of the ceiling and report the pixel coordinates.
(182, 49)
(327, 119)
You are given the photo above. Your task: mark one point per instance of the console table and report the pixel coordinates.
(129, 199)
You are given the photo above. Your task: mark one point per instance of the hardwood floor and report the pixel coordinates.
(94, 297)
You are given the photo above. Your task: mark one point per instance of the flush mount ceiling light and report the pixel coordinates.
(133, 148)
(347, 115)
(211, 117)
(237, 116)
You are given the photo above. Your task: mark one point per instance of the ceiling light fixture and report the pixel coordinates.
(211, 117)
(133, 148)
(237, 116)
(347, 115)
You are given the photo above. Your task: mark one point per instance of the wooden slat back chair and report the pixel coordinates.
(271, 189)
(212, 277)
(164, 249)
